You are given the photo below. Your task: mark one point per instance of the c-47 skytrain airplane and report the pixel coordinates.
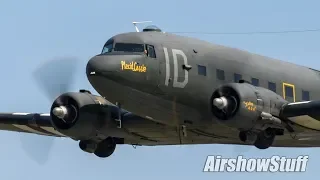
(159, 88)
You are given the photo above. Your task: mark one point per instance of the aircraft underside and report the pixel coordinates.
(142, 132)
(100, 126)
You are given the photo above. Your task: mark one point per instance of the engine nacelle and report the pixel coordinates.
(78, 114)
(242, 105)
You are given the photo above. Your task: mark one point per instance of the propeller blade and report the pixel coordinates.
(54, 78)
(37, 147)
(241, 149)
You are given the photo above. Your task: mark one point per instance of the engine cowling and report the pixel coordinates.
(78, 114)
(240, 105)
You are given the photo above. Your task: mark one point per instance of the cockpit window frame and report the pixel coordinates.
(153, 51)
(109, 42)
(133, 51)
(143, 48)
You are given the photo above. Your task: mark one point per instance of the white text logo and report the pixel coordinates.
(175, 53)
(241, 164)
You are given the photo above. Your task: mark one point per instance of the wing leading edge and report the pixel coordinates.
(36, 123)
(305, 114)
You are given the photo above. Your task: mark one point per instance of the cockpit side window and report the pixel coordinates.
(151, 52)
(107, 47)
(129, 47)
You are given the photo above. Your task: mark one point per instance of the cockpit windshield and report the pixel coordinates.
(107, 48)
(129, 47)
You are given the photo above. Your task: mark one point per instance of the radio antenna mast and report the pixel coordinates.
(139, 22)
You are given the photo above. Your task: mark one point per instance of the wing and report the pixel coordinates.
(146, 132)
(36, 123)
(305, 114)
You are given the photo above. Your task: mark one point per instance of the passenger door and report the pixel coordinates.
(289, 92)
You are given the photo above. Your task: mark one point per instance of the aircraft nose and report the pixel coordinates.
(102, 66)
(94, 65)
(124, 69)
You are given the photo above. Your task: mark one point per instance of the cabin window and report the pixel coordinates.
(305, 96)
(129, 47)
(272, 86)
(151, 52)
(255, 81)
(220, 74)
(202, 70)
(237, 77)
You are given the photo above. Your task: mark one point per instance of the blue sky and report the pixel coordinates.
(33, 32)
